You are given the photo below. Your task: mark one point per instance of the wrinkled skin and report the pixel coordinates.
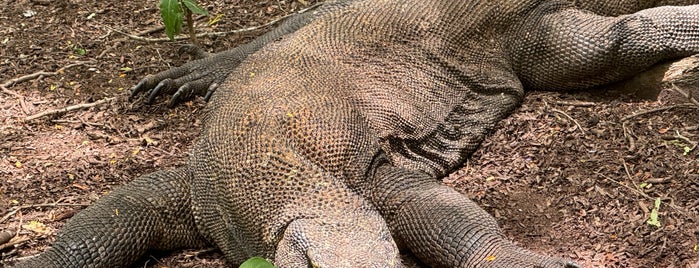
(324, 141)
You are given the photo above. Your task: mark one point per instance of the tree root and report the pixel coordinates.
(39, 74)
(661, 109)
(68, 109)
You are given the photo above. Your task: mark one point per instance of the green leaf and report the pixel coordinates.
(192, 6)
(171, 12)
(686, 150)
(256, 262)
(653, 220)
(80, 51)
(214, 20)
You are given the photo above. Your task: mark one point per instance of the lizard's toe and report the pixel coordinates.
(572, 264)
(193, 50)
(158, 90)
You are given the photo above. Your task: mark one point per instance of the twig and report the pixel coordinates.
(20, 98)
(68, 109)
(12, 243)
(197, 253)
(640, 193)
(659, 180)
(14, 211)
(629, 137)
(576, 103)
(689, 97)
(571, 119)
(691, 142)
(628, 173)
(23, 78)
(661, 109)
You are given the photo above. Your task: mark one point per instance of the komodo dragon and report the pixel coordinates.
(324, 140)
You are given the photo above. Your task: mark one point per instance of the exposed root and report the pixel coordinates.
(679, 136)
(68, 109)
(4, 87)
(39, 74)
(20, 98)
(661, 109)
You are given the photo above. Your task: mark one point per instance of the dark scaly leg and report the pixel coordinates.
(201, 77)
(620, 7)
(558, 47)
(152, 212)
(443, 227)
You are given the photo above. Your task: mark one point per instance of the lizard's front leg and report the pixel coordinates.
(444, 228)
(152, 212)
(201, 77)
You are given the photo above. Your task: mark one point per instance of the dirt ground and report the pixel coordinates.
(566, 174)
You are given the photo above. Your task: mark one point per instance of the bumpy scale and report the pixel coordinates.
(324, 140)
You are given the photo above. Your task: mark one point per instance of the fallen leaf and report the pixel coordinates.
(37, 227)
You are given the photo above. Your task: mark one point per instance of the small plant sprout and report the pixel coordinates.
(256, 262)
(173, 12)
(653, 219)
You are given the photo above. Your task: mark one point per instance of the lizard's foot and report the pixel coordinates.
(200, 77)
(512, 256)
(194, 51)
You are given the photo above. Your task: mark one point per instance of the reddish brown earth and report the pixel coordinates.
(555, 188)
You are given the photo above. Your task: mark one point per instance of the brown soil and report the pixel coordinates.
(553, 188)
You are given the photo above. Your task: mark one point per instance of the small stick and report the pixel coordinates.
(689, 97)
(661, 109)
(14, 211)
(68, 109)
(20, 98)
(629, 137)
(13, 243)
(576, 103)
(659, 180)
(640, 193)
(28, 77)
(691, 142)
(571, 119)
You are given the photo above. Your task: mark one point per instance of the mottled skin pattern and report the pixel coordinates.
(324, 147)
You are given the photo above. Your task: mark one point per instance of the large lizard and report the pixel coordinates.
(325, 140)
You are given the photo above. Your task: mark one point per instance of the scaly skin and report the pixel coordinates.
(325, 140)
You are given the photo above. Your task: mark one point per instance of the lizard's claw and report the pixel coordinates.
(572, 264)
(196, 78)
